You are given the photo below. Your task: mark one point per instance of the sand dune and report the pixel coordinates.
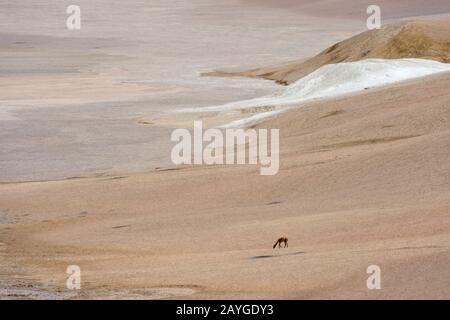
(417, 39)
(363, 180)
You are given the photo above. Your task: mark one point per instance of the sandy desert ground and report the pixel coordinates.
(364, 178)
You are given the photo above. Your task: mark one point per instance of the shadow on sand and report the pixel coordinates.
(277, 255)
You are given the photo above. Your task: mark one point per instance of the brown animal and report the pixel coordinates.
(280, 240)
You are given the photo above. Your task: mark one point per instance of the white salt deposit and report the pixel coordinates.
(335, 80)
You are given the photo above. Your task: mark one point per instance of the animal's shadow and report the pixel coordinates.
(276, 255)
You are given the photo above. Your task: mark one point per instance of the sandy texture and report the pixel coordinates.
(364, 180)
(417, 39)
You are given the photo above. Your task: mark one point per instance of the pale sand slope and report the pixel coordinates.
(414, 39)
(364, 180)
